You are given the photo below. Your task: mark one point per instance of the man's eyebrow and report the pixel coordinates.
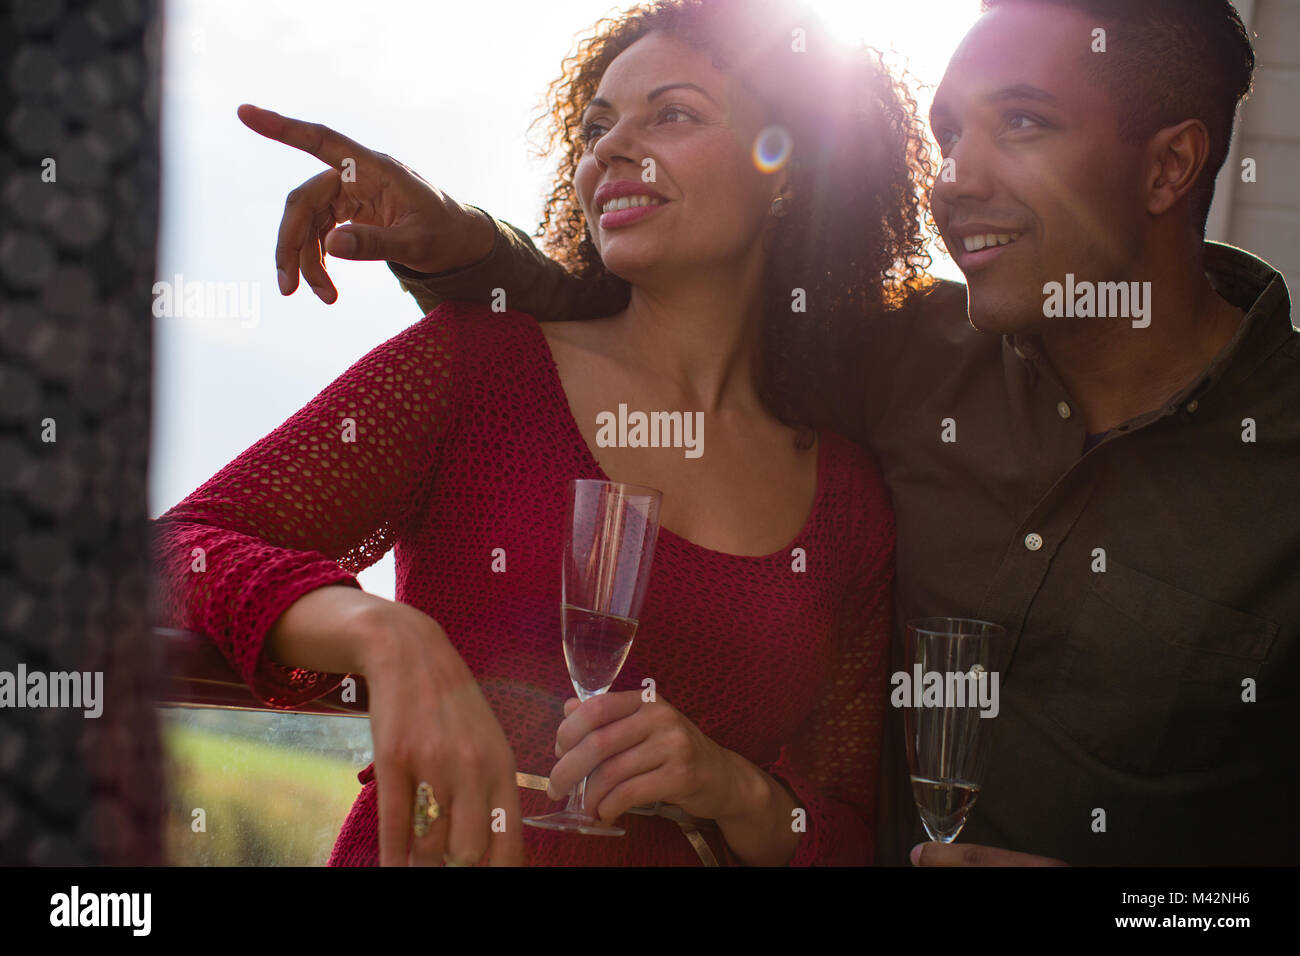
(600, 102)
(940, 110)
(1024, 91)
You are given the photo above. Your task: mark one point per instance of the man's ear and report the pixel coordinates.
(1175, 157)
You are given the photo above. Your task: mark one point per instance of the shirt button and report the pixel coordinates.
(1063, 409)
(1193, 405)
(1033, 541)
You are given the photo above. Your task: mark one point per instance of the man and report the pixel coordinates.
(1098, 449)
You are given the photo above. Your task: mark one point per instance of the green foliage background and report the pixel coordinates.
(275, 788)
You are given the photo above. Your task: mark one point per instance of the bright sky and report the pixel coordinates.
(449, 88)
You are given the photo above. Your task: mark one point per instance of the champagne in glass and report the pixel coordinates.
(610, 537)
(947, 739)
(595, 647)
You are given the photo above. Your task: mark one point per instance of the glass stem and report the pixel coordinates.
(576, 798)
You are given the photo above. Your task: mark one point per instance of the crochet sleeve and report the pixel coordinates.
(832, 763)
(323, 496)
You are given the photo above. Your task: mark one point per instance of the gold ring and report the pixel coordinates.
(426, 809)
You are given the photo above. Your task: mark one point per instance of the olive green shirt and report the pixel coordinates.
(1150, 694)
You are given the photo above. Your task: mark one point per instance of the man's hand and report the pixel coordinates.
(394, 214)
(970, 854)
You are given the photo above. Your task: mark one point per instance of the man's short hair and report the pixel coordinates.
(1167, 61)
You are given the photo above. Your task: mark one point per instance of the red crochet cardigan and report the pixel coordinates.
(464, 443)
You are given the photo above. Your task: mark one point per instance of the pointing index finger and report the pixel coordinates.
(320, 141)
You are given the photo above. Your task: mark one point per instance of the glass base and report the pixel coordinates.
(574, 822)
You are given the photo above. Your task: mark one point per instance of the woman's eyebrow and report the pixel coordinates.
(600, 102)
(660, 90)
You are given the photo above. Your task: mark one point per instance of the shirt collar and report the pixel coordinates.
(1243, 279)
(1251, 284)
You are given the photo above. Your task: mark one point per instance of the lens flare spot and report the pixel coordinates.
(772, 148)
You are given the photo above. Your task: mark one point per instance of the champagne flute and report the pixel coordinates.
(610, 535)
(947, 740)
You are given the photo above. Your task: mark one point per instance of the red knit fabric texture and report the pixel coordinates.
(464, 443)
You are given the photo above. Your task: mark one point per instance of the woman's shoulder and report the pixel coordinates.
(856, 500)
(492, 354)
(483, 338)
(479, 321)
(851, 465)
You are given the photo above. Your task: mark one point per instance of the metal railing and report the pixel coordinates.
(197, 675)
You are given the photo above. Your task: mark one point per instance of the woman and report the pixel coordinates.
(766, 623)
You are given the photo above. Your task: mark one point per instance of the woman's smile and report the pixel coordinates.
(622, 212)
(625, 201)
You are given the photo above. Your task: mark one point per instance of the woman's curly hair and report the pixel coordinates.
(859, 170)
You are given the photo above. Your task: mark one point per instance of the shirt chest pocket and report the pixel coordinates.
(1152, 677)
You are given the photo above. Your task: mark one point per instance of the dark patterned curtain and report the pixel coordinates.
(79, 159)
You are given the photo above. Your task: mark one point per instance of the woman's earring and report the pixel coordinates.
(780, 206)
